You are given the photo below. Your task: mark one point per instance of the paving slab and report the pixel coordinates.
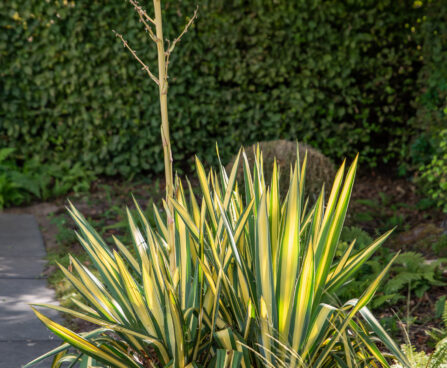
(20, 236)
(22, 245)
(22, 336)
(15, 354)
(21, 267)
(17, 320)
(19, 224)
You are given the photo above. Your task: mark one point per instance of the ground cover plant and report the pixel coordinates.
(24, 182)
(240, 277)
(434, 174)
(437, 358)
(15, 188)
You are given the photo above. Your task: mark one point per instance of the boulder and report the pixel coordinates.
(320, 169)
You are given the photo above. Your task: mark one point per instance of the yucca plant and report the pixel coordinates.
(253, 281)
(279, 275)
(234, 278)
(159, 316)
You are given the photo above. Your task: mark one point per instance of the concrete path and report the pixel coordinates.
(22, 336)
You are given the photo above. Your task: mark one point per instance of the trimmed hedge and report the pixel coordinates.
(336, 74)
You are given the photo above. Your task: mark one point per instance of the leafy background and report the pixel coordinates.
(344, 76)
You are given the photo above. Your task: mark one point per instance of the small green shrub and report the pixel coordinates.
(438, 358)
(58, 179)
(15, 186)
(433, 176)
(412, 271)
(10, 193)
(409, 273)
(21, 184)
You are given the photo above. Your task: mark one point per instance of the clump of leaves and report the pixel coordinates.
(54, 180)
(434, 175)
(412, 272)
(440, 333)
(438, 358)
(33, 179)
(420, 359)
(15, 186)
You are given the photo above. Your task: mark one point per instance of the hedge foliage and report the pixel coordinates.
(430, 148)
(430, 32)
(337, 74)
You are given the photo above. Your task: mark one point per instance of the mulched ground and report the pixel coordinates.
(396, 196)
(400, 204)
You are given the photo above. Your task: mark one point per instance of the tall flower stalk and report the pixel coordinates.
(162, 82)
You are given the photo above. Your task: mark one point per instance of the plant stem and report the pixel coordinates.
(163, 89)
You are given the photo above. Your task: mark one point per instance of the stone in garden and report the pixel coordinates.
(320, 169)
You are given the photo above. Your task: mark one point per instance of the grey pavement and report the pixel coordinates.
(22, 336)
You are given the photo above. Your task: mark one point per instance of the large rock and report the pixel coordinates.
(320, 169)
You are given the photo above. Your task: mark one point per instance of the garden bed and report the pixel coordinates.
(380, 201)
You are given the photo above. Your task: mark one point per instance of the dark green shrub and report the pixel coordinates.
(433, 176)
(15, 186)
(20, 183)
(430, 33)
(429, 149)
(338, 75)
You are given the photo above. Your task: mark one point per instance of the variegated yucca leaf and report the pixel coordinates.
(248, 280)
(284, 267)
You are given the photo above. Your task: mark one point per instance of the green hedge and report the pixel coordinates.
(336, 74)
(429, 150)
(430, 32)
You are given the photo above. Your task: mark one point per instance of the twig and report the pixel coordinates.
(141, 11)
(167, 54)
(143, 15)
(145, 67)
(183, 32)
